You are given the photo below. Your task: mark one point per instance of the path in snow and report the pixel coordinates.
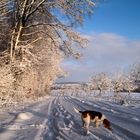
(55, 119)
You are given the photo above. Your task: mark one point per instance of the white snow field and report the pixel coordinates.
(53, 118)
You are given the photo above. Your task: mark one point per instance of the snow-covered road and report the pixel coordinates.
(55, 119)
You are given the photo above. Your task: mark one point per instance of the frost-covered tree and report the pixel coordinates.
(30, 21)
(36, 35)
(135, 75)
(123, 82)
(128, 83)
(117, 83)
(101, 82)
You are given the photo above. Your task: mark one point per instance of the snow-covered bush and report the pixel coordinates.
(6, 86)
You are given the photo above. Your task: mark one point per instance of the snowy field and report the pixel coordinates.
(53, 118)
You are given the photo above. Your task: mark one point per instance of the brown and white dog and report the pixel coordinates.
(93, 116)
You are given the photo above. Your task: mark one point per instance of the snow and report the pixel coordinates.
(54, 118)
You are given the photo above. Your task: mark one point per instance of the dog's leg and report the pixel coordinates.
(87, 123)
(97, 123)
(83, 124)
(87, 127)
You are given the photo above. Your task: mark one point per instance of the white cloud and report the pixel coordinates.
(106, 52)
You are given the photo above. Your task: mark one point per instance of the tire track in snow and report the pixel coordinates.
(59, 123)
(63, 124)
(77, 132)
(53, 132)
(39, 135)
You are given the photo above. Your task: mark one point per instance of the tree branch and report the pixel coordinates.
(34, 10)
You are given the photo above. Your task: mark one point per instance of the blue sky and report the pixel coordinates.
(114, 40)
(118, 16)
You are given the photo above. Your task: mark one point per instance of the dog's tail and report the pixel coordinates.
(107, 124)
(76, 110)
